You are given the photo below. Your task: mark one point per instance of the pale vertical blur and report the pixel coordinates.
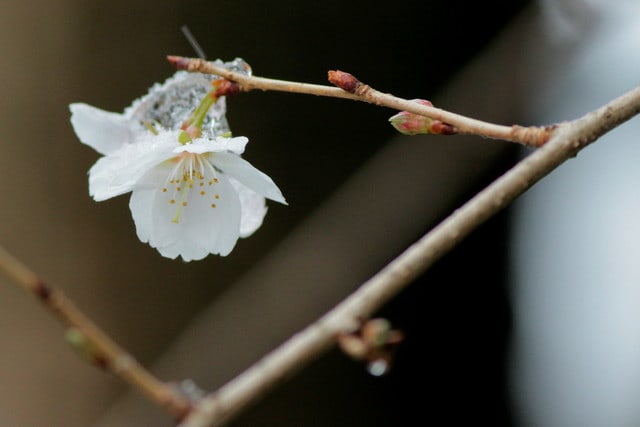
(576, 236)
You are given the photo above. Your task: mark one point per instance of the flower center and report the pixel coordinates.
(192, 174)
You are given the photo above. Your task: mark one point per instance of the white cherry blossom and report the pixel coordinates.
(188, 198)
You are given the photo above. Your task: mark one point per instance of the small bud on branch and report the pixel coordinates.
(349, 87)
(344, 81)
(415, 124)
(224, 87)
(374, 343)
(85, 348)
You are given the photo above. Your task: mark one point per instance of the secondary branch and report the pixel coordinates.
(566, 141)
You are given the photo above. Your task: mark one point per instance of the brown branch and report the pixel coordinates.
(353, 89)
(92, 342)
(566, 141)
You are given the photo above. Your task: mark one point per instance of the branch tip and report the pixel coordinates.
(179, 62)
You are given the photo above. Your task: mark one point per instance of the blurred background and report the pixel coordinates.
(358, 194)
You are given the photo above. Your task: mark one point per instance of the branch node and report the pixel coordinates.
(42, 290)
(532, 135)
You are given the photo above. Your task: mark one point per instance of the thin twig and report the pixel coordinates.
(97, 347)
(533, 136)
(567, 139)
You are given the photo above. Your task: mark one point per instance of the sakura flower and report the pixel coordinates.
(190, 197)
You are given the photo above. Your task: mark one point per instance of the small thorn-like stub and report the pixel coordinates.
(414, 124)
(344, 81)
(180, 62)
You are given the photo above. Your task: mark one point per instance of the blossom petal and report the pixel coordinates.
(104, 131)
(202, 145)
(253, 208)
(139, 204)
(188, 252)
(187, 200)
(217, 229)
(245, 173)
(119, 172)
(146, 204)
(235, 145)
(190, 219)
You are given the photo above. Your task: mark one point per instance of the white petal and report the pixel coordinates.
(153, 216)
(186, 251)
(208, 222)
(104, 131)
(140, 202)
(253, 208)
(118, 172)
(216, 229)
(203, 145)
(235, 145)
(243, 171)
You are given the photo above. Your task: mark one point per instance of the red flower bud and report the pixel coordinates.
(415, 124)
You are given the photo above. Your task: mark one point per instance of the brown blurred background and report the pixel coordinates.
(304, 259)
